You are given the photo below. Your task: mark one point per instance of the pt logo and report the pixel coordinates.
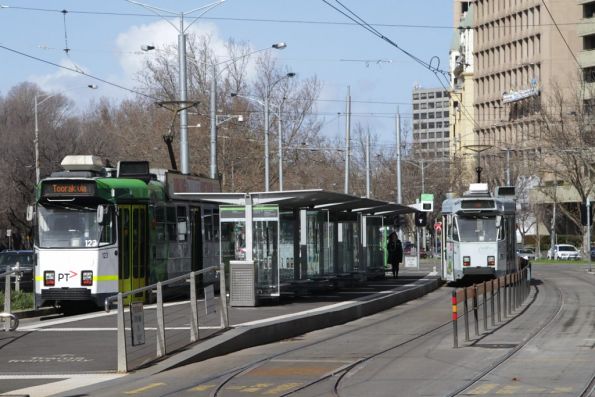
(66, 276)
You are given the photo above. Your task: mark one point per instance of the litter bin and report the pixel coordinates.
(242, 289)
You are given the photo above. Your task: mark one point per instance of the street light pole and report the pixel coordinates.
(266, 105)
(181, 70)
(36, 136)
(280, 143)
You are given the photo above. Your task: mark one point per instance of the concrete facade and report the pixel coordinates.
(431, 132)
(523, 51)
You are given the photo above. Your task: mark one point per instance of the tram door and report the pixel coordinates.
(132, 233)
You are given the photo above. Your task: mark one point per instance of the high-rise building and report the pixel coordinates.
(431, 123)
(463, 139)
(524, 52)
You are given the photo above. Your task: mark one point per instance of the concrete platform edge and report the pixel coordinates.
(244, 337)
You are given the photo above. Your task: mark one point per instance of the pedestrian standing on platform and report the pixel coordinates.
(395, 253)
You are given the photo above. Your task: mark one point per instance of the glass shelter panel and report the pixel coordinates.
(314, 222)
(286, 246)
(329, 247)
(350, 247)
(374, 242)
(266, 237)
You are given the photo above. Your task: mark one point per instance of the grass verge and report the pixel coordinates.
(19, 301)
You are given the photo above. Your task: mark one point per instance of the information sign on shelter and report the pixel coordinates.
(411, 262)
(210, 299)
(137, 321)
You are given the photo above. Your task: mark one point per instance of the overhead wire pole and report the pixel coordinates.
(182, 70)
(347, 139)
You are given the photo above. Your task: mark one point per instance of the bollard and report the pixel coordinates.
(455, 331)
(475, 313)
(498, 302)
(17, 278)
(492, 301)
(466, 308)
(485, 307)
(505, 298)
(194, 332)
(160, 322)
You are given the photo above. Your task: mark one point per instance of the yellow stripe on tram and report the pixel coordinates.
(110, 277)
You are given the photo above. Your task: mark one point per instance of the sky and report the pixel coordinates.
(104, 38)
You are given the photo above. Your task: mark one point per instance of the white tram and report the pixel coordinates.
(478, 237)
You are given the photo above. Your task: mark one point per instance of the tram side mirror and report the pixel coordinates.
(100, 214)
(30, 213)
(498, 221)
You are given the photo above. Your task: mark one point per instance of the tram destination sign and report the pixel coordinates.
(68, 188)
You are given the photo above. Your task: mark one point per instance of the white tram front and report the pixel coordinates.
(478, 237)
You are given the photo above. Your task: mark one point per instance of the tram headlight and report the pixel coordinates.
(491, 260)
(49, 278)
(466, 261)
(87, 278)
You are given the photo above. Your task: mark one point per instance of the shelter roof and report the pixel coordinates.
(312, 198)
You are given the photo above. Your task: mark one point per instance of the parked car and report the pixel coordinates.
(526, 253)
(25, 260)
(564, 252)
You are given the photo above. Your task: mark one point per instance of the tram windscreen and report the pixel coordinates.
(61, 226)
(477, 229)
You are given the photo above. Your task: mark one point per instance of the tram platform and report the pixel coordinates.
(309, 309)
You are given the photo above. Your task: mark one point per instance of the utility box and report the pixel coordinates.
(242, 289)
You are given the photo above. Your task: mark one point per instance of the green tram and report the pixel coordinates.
(100, 230)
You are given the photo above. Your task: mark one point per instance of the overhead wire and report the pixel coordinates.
(79, 72)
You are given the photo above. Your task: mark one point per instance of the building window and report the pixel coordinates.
(423, 95)
(589, 42)
(589, 10)
(431, 125)
(589, 75)
(415, 106)
(415, 97)
(424, 105)
(415, 116)
(439, 95)
(431, 105)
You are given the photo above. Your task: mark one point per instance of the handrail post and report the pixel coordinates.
(122, 359)
(223, 297)
(7, 297)
(505, 297)
(498, 303)
(160, 322)
(194, 335)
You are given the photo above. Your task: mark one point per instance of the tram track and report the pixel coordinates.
(340, 373)
(224, 379)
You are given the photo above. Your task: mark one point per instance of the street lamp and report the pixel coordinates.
(213, 99)
(36, 139)
(266, 105)
(182, 68)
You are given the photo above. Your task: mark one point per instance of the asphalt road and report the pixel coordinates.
(547, 348)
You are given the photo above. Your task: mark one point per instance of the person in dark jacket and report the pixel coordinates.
(395, 253)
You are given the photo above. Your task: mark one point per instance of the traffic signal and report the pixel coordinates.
(421, 219)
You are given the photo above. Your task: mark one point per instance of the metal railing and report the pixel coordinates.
(160, 337)
(11, 322)
(503, 295)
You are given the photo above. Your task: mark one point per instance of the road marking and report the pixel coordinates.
(70, 382)
(510, 390)
(202, 387)
(256, 388)
(484, 389)
(282, 388)
(145, 388)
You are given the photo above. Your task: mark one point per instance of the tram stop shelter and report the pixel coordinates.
(291, 241)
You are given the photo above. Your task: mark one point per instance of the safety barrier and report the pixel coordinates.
(504, 294)
(131, 345)
(11, 322)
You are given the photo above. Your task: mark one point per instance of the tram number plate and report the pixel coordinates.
(137, 319)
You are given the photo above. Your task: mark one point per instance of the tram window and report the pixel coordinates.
(208, 224)
(216, 224)
(160, 214)
(107, 230)
(182, 224)
(171, 223)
